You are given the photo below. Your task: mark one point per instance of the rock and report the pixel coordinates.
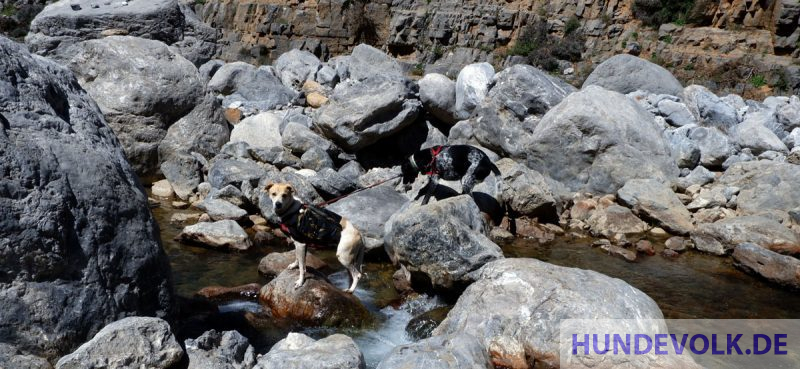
(422, 325)
(274, 263)
(221, 209)
(684, 151)
(615, 219)
(472, 86)
(299, 139)
(777, 268)
(444, 352)
(715, 146)
(361, 113)
(654, 200)
(645, 247)
(72, 209)
(698, 176)
(229, 350)
(229, 194)
(130, 342)
(628, 146)
(142, 87)
(199, 43)
(625, 73)
(709, 198)
(184, 172)
(11, 357)
(626, 254)
(203, 131)
(366, 61)
(526, 191)
(209, 68)
(675, 113)
(438, 96)
(316, 159)
(708, 108)
(250, 88)
(444, 254)
(764, 186)
(792, 140)
(369, 211)
(234, 172)
(223, 294)
(752, 134)
(678, 244)
(162, 188)
(277, 156)
(259, 131)
(226, 234)
(501, 304)
(315, 303)
(789, 114)
(298, 351)
(297, 66)
(331, 184)
(721, 237)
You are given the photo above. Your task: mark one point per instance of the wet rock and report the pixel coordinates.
(708, 108)
(615, 219)
(183, 218)
(501, 304)
(297, 66)
(361, 113)
(777, 268)
(11, 357)
(221, 294)
(764, 186)
(298, 351)
(226, 234)
(260, 131)
(444, 254)
(366, 61)
(438, 96)
(625, 73)
(622, 252)
(645, 247)
(670, 254)
(445, 352)
(162, 188)
(315, 303)
(369, 211)
(628, 146)
(654, 200)
(130, 342)
(274, 263)
(678, 244)
(253, 89)
(721, 237)
(221, 209)
(213, 349)
(472, 85)
(72, 209)
(421, 326)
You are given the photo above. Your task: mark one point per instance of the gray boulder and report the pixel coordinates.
(654, 200)
(366, 61)
(222, 234)
(525, 300)
(199, 41)
(225, 172)
(249, 88)
(443, 352)
(614, 220)
(316, 159)
(223, 350)
(789, 113)
(298, 351)
(443, 241)
(684, 151)
(209, 68)
(260, 131)
(526, 191)
(709, 109)
(625, 73)
(299, 139)
(277, 155)
(330, 183)
(723, 236)
(472, 85)
(698, 176)
(202, 131)
(142, 87)
(11, 357)
(438, 96)
(595, 140)
(219, 209)
(296, 66)
(754, 135)
(715, 146)
(764, 186)
(361, 113)
(127, 343)
(675, 113)
(184, 172)
(369, 211)
(777, 268)
(72, 208)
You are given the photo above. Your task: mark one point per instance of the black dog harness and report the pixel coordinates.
(314, 226)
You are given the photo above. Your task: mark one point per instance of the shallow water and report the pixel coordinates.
(693, 285)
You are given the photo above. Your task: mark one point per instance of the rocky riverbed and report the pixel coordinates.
(632, 196)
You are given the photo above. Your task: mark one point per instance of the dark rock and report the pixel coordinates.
(202, 131)
(369, 210)
(250, 88)
(234, 172)
(229, 350)
(421, 326)
(11, 357)
(316, 159)
(184, 172)
(275, 263)
(330, 183)
(277, 156)
(222, 294)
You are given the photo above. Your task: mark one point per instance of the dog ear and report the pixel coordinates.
(290, 189)
(268, 186)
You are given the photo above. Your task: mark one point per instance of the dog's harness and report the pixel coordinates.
(432, 165)
(314, 226)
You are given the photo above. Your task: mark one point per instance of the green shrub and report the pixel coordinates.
(572, 25)
(758, 81)
(8, 10)
(657, 12)
(544, 50)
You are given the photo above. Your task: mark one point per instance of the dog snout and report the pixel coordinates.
(278, 204)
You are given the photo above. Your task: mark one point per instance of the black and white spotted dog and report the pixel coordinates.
(453, 162)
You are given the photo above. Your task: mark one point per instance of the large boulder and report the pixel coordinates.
(260, 131)
(360, 113)
(715, 146)
(11, 357)
(709, 109)
(722, 236)
(443, 352)
(223, 234)
(438, 96)
(777, 268)
(213, 349)
(369, 211)
(526, 191)
(316, 303)
(75, 225)
(298, 351)
(524, 301)
(142, 87)
(297, 66)
(472, 85)
(652, 199)
(613, 220)
(753, 134)
(684, 151)
(135, 342)
(626, 73)
(764, 186)
(249, 88)
(441, 242)
(595, 140)
(366, 61)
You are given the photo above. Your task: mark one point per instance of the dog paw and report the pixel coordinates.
(347, 290)
(298, 284)
(292, 266)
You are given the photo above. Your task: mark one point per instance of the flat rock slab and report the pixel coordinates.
(777, 268)
(655, 200)
(226, 234)
(723, 236)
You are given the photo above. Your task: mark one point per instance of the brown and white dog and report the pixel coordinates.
(308, 225)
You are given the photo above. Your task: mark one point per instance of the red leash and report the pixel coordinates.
(432, 165)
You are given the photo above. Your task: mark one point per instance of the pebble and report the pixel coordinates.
(180, 204)
(162, 188)
(645, 247)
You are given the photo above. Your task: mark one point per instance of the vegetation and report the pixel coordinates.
(758, 81)
(657, 12)
(8, 10)
(418, 70)
(544, 50)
